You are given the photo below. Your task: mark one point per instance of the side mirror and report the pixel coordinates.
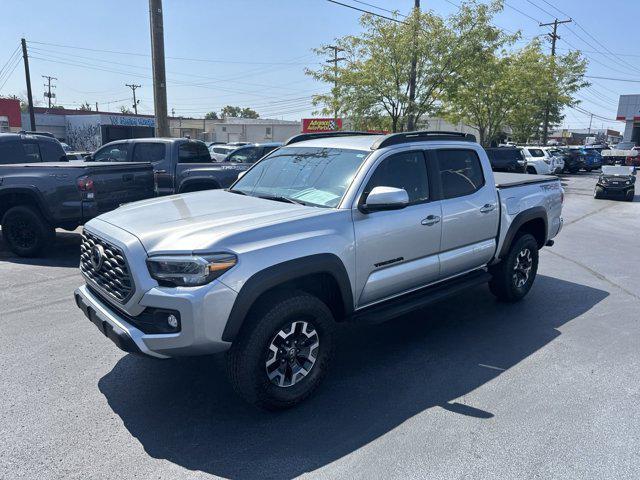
(241, 174)
(385, 198)
(88, 158)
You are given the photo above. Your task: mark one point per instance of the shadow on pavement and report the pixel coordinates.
(63, 252)
(185, 411)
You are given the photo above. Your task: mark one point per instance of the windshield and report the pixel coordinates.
(617, 170)
(312, 176)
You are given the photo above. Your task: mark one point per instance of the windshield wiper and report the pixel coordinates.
(239, 192)
(282, 199)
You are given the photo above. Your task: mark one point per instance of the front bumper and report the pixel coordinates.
(203, 315)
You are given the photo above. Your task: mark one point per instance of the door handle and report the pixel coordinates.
(488, 207)
(161, 171)
(430, 220)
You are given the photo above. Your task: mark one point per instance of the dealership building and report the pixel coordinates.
(629, 113)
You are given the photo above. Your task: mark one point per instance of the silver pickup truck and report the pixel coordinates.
(328, 228)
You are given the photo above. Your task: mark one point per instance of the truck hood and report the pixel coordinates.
(197, 221)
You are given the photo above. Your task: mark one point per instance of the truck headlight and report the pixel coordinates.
(190, 270)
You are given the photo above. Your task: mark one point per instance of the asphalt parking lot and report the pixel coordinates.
(471, 388)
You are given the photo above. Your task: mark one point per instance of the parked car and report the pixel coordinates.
(538, 162)
(219, 153)
(180, 164)
(37, 198)
(507, 159)
(591, 159)
(79, 156)
(28, 147)
(557, 156)
(616, 181)
(238, 144)
(573, 160)
(327, 228)
(252, 153)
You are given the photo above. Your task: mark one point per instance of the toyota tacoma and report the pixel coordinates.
(342, 227)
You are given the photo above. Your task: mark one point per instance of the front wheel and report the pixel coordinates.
(513, 277)
(531, 171)
(598, 192)
(283, 351)
(630, 194)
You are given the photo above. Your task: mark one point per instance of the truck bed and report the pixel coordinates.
(507, 180)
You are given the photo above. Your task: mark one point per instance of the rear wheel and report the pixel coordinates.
(283, 351)
(531, 170)
(26, 231)
(513, 277)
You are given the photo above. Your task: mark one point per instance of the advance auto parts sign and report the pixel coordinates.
(310, 125)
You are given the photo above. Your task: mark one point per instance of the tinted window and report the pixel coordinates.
(406, 170)
(315, 176)
(193, 152)
(11, 152)
(149, 152)
(112, 153)
(246, 155)
(460, 172)
(536, 152)
(32, 152)
(52, 152)
(504, 154)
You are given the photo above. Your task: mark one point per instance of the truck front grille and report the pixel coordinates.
(103, 264)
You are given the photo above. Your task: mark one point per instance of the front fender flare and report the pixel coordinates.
(280, 273)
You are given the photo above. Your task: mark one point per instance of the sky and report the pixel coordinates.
(253, 53)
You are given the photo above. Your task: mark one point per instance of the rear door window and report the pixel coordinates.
(149, 152)
(52, 152)
(193, 152)
(460, 172)
(32, 152)
(536, 152)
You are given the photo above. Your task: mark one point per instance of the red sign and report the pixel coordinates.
(310, 125)
(11, 109)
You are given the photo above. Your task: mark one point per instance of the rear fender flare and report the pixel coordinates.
(32, 193)
(518, 221)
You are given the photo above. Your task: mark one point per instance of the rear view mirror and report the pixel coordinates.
(385, 198)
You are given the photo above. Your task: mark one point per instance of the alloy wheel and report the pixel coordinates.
(292, 353)
(522, 268)
(21, 234)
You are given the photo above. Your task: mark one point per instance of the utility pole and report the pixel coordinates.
(133, 87)
(159, 74)
(411, 122)
(554, 37)
(335, 61)
(96, 106)
(48, 95)
(25, 56)
(590, 121)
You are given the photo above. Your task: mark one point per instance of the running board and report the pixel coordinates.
(419, 299)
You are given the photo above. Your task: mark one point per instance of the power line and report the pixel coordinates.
(614, 79)
(366, 11)
(522, 13)
(133, 88)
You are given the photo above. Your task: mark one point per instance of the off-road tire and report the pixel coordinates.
(503, 284)
(246, 360)
(598, 192)
(25, 231)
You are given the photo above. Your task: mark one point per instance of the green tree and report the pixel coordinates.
(238, 112)
(125, 110)
(85, 107)
(211, 116)
(372, 84)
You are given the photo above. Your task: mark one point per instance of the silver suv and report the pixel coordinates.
(328, 228)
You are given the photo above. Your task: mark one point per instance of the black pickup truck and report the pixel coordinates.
(36, 197)
(180, 164)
